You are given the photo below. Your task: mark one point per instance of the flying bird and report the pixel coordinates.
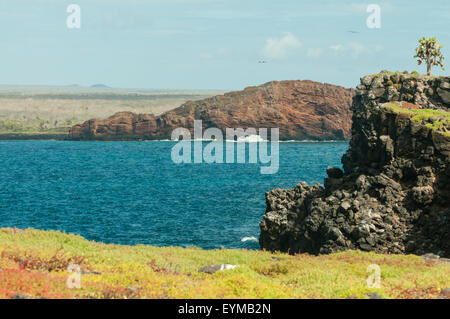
(351, 31)
(262, 62)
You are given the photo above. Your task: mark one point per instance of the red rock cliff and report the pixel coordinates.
(300, 109)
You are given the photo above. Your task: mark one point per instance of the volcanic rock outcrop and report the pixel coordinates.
(394, 193)
(300, 109)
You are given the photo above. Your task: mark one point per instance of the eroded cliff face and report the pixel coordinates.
(301, 109)
(394, 193)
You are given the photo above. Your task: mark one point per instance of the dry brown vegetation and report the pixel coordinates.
(38, 110)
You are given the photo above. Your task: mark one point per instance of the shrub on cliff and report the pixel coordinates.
(429, 50)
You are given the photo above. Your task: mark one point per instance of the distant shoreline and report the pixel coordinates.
(26, 137)
(65, 137)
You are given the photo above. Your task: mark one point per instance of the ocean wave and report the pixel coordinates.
(251, 139)
(245, 239)
(248, 139)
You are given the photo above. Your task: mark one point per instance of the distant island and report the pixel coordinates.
(303, 110)
(48, 112)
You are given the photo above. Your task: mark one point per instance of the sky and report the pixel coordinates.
(212, 44)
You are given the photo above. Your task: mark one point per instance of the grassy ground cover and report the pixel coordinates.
(34, 264)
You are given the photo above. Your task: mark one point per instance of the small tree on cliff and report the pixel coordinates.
(429, 50)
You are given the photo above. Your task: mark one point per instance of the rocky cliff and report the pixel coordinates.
(394, 193)
(301, 109)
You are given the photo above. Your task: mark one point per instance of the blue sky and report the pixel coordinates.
(211, 44)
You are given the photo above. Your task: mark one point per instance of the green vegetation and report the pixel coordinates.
(414, 74)
(33, 126)
(438, 120)
(384, 72)
(429, 51)
(55, 110)
(34, 263)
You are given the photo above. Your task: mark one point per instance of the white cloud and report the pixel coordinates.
(314, 52)
(357, 49)
(354, 49)
(337, 47)
(280, 48)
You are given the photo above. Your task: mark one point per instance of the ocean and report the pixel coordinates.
(133, 193)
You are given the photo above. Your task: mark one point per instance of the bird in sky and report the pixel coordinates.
(351, 31)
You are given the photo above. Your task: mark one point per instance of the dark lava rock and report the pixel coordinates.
(373, 295)
(334, 172)
(90, 272)
(276, 259)
(211, 269)
(445, 293)
(430, 257)
(21, 296)
(394, 194)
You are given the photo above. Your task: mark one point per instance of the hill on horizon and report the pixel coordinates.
(31, 110)
(302, 110)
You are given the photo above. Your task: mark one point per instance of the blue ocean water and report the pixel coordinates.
(132, 192)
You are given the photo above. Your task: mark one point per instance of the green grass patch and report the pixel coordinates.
(413, 74)
(440, 119)
(33, 262)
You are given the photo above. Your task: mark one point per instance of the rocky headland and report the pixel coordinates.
(394, 193)
(303, 110)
